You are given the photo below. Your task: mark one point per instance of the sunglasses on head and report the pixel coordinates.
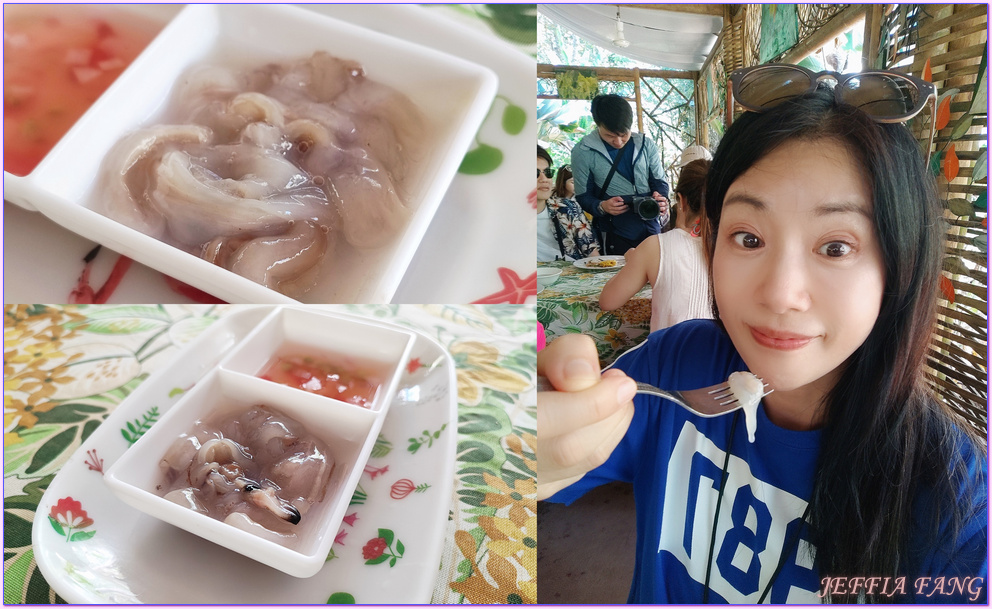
(885, 96)
(548, 172)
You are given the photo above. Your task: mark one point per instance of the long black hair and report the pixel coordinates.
(890, 451)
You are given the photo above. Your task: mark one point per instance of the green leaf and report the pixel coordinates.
(981, 169)
(382, 447)
(482, 160)
(473, 498)
(121, 326)
(960, 207)
(16, 531)
(51, 450)
(38, 589)
(392, 562)
(70, 413)
(16, 455)
(359, 497)
(185, 330)
(521, 465)
(475, 452)
(14, 576)
(936, 161)
(176, 391)
(982, 201)
(514, 119)
(961, 126)
(386, 534)
(378, 560)
(473, 479)
(981, 242)
(341, 598)
(477, 424)
(55, 525)
(154, 312)
(88, 428)
(400, 548)
(514, 22)
(31, 496)
(82, 535)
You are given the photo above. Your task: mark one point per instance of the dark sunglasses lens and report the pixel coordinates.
(882, 95)
(548, 172)
(767, 87)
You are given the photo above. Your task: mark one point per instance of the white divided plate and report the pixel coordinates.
(585, 263)
(403, 497)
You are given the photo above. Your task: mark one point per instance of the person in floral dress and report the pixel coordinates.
(562, 229)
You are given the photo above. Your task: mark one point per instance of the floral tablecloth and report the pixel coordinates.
(489, 553)
(571, 305)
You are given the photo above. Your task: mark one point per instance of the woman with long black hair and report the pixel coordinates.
(825, 248)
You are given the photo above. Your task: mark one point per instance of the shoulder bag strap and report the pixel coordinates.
(613, 170)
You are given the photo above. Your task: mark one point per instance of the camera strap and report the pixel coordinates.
(613, 170)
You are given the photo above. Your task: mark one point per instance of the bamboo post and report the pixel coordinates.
(637, 99)
(873, 37)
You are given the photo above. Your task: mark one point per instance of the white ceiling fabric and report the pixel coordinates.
(668, 39)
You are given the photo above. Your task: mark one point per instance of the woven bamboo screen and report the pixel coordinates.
(952, 37)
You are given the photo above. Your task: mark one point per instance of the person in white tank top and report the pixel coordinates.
(673, 262)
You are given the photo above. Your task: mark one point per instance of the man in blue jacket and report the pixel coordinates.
(609, 194)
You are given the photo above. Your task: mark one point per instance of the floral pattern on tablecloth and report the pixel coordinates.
(490, 556)
(571, 305)
(66, 368)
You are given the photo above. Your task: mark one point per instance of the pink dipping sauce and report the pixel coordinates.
(57, 60)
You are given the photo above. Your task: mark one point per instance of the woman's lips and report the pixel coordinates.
(783, 341)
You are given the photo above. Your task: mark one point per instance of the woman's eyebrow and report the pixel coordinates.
(744, 198)
(842, 208)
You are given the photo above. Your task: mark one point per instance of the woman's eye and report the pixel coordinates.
(747, 240)
(835, 249)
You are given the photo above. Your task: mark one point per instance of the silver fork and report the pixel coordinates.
(707, 402)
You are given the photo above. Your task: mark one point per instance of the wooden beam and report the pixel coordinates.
(841, 22)
(716, 10)
(546, 70)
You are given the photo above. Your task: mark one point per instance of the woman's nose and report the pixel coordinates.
(785, 284)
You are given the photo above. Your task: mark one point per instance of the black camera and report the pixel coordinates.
(646, 207)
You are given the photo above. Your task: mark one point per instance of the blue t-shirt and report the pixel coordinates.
(675, 461)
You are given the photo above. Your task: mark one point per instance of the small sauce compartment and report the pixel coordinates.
(58, 59)
(333, 376)
(302, 350)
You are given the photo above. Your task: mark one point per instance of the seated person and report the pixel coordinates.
(672, 262)
(564, 183)
(562, 229)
